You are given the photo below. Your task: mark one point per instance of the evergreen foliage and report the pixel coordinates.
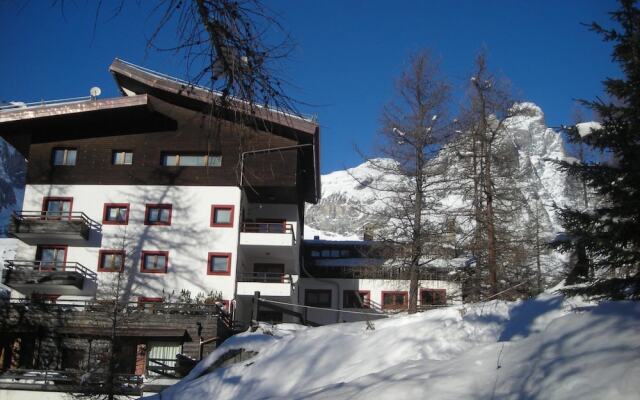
(606, 237)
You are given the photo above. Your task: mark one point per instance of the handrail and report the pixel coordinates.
(52, 266)
(126, 383)
(266, 227)
(374, 272)
(267, 277)
(23, 215)
(125, 307)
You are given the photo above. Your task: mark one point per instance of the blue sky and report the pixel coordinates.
(347, 56)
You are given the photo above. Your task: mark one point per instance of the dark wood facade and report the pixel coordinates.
(94, 159)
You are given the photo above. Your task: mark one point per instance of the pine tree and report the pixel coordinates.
(606, 238)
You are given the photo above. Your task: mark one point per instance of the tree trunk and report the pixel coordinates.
(417, 244)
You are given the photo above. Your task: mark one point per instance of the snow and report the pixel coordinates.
(585, 128)
(549, 347)
(310, 234)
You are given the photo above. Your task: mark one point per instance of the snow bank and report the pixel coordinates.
(544, 348)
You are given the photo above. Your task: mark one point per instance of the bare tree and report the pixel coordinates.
(232, 47)
(491, 160)
(414, 127)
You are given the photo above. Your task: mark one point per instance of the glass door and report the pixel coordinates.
(51, 257)
(57, 208)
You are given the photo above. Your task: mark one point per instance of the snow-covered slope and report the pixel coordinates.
(545, 348)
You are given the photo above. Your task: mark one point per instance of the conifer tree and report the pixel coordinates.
(606, 238)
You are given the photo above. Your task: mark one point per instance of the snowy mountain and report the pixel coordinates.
(547, 347)
(344, 208)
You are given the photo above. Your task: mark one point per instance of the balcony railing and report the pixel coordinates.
(28, 276)
(267, 227)
(266, 277)
(30, 225)
(73, 381)
(128, 308)
(39, 266)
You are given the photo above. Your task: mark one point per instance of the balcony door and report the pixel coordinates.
(51, 257)
(268, 272)
(57, 207)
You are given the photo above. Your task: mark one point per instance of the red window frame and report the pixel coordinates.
(364, 294)
(402, 306)
(106, 208)
(215, 207)
(214, 254)
(47, 199)
(143, 299)
(165, 206)
(52, 246)
(101, 267)
(438, 294)
(316, 291)
(154, 253)
(44, 298)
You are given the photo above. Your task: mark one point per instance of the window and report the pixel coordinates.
(52, 258)
(191, 160)
(222, 216)
(122, 157)
(317, 297)
(157, 214)
(115, 214)
(111, 261)
(355, 299)
(433, 297)
(394, 300)
(64, 156)
(150, 304)
(219, 264)
(315, 253)
(57, 207)
(154, 262)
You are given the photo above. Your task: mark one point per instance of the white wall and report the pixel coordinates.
(188, 239)
(272, 254)
(374, 286)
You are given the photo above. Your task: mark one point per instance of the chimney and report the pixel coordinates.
(316, 237)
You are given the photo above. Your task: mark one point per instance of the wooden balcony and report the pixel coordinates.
(39, 227)
(59, 278)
